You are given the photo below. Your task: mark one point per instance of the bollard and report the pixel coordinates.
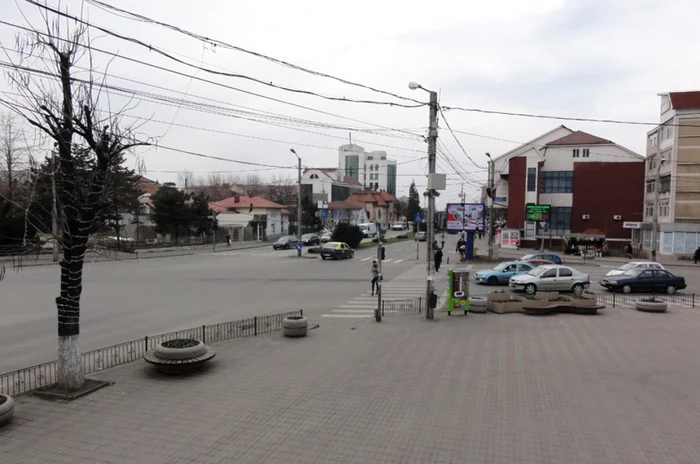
(614, 300)
(145, 341)
(301, 312)
(255, 326)
(693, 301)
(204, 334)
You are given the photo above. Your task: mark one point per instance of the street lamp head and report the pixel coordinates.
(488, 155)
(414, 85)
(293, 151)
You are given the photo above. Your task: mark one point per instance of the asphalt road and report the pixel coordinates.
(127, 300)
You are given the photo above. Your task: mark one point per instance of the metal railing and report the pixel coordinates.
(42, 375)
(415, 305)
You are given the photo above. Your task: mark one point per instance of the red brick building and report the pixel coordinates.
(591, 183)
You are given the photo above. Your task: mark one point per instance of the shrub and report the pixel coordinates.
(402, 236)
(348, 233)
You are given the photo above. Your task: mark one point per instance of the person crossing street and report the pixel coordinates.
(375, 276)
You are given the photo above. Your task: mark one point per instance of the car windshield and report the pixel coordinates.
(330, 246)
(526, 257)
(633, 272)
(307, 236)
(537, 271)
(627, 267)
(500, 267)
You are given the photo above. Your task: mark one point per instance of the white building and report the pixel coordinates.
(328, 184)
(372, 169)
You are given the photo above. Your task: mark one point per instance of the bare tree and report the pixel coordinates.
(91, 144)
(186, 179)
(282, 189)
(14, 154)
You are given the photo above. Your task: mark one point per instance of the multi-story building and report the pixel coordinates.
(372, 169)
(592, 184)
(673, 155)
(328, 184)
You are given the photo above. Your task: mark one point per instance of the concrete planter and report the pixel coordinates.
(651, 306)
(295, 326)
(478, 304)
(546, 295)
(167, 352)
(585, 300)
(504, 303)
(7, 409)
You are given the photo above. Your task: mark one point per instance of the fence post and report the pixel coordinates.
(145, 340)
(301, 312)
(420, 304)
(255, 325)
(614, 299)
(693, 300)
(383, 302)
(204, 334)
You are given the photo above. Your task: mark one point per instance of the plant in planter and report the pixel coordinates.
(7, 409)
(179, 355)
(295, 326)
(651, 305)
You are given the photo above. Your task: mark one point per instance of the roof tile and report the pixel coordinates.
(580, 138)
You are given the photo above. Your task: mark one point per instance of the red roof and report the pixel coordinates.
(380, 198)
(351, 180)
(580, 138)
(241, 202)
(346, 204)
(685, 100)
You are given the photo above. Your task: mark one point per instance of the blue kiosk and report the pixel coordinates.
(468, 218)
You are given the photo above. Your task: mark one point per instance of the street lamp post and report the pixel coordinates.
(655, 231)
(432, 141)
(298, 203)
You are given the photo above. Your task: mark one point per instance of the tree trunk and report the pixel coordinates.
(70, 372)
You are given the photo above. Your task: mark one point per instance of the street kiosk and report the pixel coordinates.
(458, 290)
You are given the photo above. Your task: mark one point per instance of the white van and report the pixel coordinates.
(368, 229)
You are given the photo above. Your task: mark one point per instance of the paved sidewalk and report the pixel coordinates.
(619, 388)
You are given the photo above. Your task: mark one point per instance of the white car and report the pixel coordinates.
(552, 278)
(641, 265)
(398, 226)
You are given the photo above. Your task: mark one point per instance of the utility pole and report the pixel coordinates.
(54, 208)
(655, 231)
(378, 312)
(432, 141)
(298, 203)
(492, 194)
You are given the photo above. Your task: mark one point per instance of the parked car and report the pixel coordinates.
(501, 274)
(539, 262)
(310, 239)
(337, 250)
(326, 237)
(368, 229)
(644, 280)
(641, 265)
(552, 277)
(399, 225)
(285, 242)
(422, 236)
(546, 256)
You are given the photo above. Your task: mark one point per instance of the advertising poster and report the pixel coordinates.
(470, 216)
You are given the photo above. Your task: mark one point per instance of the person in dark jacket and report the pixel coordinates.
(438, 254)
(696, 255)
(629, 250)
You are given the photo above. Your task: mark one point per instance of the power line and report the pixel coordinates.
(212, 71)
(218, 158)
(215, 43)
(218, 84)
(456, 139)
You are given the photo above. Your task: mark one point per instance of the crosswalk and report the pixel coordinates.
(264, 253)
(410, 284)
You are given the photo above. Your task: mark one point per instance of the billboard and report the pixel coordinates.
(467, 216)
(537, 213)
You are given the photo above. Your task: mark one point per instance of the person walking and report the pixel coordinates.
(629, 251)
(228, 240)
(375, 276)
(696, 255)
(438, 254)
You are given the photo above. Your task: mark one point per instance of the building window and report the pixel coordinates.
(576, 152)
(529, 230)
(352, 166)
(665, 184)
(561, 221)
(370, 157)
(663, 208)
(556, 182)
(586, 153)
(666, 155)
(371, 167)
(649, 209)
(650, 186)
(313, 176)
(383, 157)
(531, 179)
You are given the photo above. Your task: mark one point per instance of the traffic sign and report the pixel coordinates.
(324, 213)
(417, 218)
(324, 205)
(298, 246)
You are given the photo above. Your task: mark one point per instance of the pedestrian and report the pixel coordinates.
(438, 254)
(696, 255)
(629, 250)
(375, 276)
(228, 240)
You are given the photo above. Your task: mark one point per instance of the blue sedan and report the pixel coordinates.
(501, 274)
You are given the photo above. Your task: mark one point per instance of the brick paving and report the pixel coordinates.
(622, 387)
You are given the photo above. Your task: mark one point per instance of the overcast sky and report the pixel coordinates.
(580, 58)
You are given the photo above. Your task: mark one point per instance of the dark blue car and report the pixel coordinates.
(548, 256)
(644, 280)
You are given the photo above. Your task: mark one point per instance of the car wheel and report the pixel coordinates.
(577, 289)
(670, 289)
(626, 289)
(323, 258)
(530, 289)
(493, 280)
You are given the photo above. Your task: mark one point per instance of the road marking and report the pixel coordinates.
(366, 259)
(357, 307)
(347, 315)
(398, 261)
(388, 260)
(359, 311)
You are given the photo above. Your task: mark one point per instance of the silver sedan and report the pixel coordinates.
(551, 278)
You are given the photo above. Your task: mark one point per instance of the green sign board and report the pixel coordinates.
(537, 213)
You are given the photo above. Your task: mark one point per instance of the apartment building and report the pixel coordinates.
(372, 169)
(673, 157)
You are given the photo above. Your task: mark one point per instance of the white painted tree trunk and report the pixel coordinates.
(70, 372)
